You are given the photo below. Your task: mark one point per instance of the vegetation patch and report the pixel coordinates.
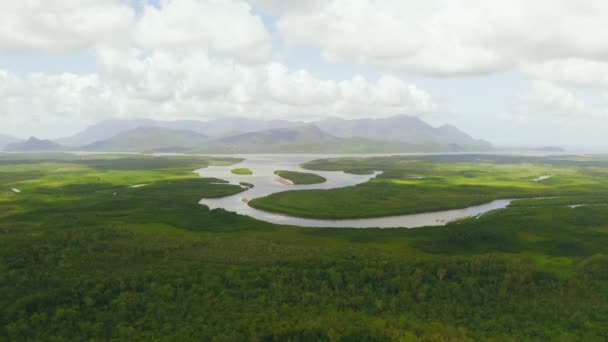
(300, 177)
(246, 185)
(242, 171)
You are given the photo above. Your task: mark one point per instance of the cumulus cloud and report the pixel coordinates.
(226, 27)
(40, 95)
(446, 38)
(63, 25)
(571, 71)
(223, 27)
(196, 85)
(547, 98)
(177, 59)
(201, 59)
(44, 103)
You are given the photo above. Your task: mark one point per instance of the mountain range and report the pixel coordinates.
(149, 139)
(310, 139)
(215, 128)
(302, 139)
(243, 135)
(406, 129)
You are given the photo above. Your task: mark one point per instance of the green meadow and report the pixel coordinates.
(85, 256)
(300, 177)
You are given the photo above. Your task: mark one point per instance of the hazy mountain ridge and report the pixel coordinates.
(6, 139)
(214, 128)
(403, 129)
(238, 125)
(34, 145)
(406, 129)
(243, 135)
(296, 139)
(110, 128)
(302, 139)
(149, 139)
(280, 135)
(311, 139)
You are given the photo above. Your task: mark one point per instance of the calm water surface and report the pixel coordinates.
(265, 181)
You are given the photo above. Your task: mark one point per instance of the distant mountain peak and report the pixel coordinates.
(34, 144)
(402, 128)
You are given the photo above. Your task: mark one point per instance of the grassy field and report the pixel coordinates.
(421, 184)
(300, 177)
(242, 171)
(85, 257)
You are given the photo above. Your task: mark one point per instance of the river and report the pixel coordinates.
(266, 182)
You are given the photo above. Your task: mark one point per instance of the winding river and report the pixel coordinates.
(266, 182)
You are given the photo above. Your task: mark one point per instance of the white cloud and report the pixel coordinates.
(196, 85)
(574, 72)
(387, 96)
(444, 37)
(179, 59)
(62, 25)
(43, 103)
(226, 27)
(278, 6)
(210, 58)
(64, 95)
(547, 98)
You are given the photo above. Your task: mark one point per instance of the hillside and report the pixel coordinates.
(214, 128)
(310, 139)
(239, 125)
(307, 138)
(34, 145)
(101, 131)
(303, 134)
(149, 139)
(406, 129)
(7, 139)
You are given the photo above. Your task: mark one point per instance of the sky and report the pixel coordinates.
(514, 72)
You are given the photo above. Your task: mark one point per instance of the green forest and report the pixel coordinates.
(86, 256)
